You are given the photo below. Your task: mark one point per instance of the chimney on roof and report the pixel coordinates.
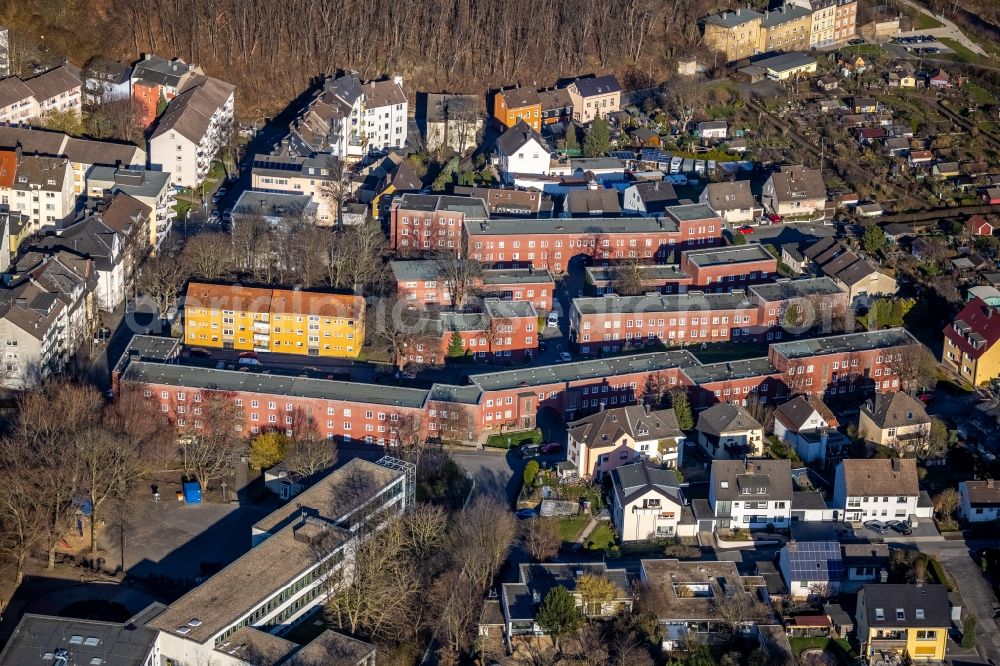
(989, 483)
(398, 80)
(895, 464)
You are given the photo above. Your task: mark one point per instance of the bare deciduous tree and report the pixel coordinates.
(541, 538)
(483, 535)
(210, 443)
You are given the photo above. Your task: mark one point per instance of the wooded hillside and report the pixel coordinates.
(271, 50)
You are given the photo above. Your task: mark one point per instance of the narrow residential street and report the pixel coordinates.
(976, 591)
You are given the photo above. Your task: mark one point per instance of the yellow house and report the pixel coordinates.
(908, 620)
(970, 343)
(273, 320)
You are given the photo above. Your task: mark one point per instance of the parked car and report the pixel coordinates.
(565, 357)
(219, 193)
(877, 526)
(926, 397)
(248, 354)
(553, 319)
(900, 526)
(525, 514)
(774, 218)
(214, 216)
(551, 447)
(529, 451)
(227, 216)
(249, 361)
(746, 230)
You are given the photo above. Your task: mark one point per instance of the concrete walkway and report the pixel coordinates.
(585, 534)
(949, 30)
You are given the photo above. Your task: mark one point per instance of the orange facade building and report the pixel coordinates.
(509, 106)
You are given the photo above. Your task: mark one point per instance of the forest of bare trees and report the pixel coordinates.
(271, 50)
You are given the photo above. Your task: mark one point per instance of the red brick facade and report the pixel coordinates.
(553, 244)
(612, 324)
(848, 366)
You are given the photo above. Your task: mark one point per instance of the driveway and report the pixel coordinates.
(977, 593)
(949, 29)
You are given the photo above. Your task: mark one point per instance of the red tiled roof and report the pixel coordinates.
(982, 319)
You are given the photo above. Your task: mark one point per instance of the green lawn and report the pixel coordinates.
(867, 50)
(602, 538)
(979, 94)
(571, 526)
(839, 647)
(506, 440)
(963, 52)
(922, 21)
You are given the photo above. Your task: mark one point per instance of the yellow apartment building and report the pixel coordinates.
(282, 321)
(735, 33)
(785, 29)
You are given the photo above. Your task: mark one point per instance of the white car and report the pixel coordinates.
(553, 320)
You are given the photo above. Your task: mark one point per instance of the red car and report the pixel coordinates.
(248, 354)
(552, 447)
(925, 397)
(775, 218)
(745, 230)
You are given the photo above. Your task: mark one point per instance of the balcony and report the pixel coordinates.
(261, 327)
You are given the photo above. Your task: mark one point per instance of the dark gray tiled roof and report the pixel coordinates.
(772, 476)
(726, 417)
(895, 410)
(930, 601)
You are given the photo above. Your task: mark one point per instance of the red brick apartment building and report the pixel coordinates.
(711, 269)
(553, 244)
(725, 268)
(851, 366)
(424, 282)
(610, 324)
(797, 306)
(505, 331)
(424, 223)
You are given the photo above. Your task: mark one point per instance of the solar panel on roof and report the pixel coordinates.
(622, 154)
(816, 561)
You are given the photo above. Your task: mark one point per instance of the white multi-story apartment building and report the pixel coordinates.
(347, 119)
(151, 188)
(879, 489)
(32, 99)
(751, 494)
(195, 125)
(385, 110)
(43, 190)
(299, 555)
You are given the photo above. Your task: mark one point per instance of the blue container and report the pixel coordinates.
(192, 492)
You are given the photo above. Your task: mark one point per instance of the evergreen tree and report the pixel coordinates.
(456, 348)
(572, 140)
(874, 239)
(682, 409)
(559, 615)
(598, 140)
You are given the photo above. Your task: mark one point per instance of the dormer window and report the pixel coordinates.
(745, 491)
(762, 491)
(900, 614)
(51, 181)
(919, 613)
(880, 614)
(724, 484)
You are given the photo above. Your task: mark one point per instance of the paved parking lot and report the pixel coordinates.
(170, 538)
